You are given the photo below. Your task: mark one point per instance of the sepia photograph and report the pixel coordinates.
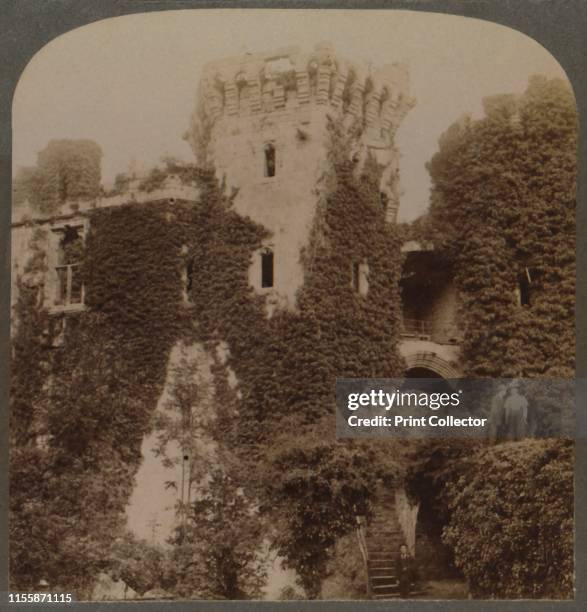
(225, 220)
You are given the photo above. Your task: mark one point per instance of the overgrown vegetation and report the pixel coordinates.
(99, 392)
(503, 210)
(93, 400)
(507, 512)
(503, 216)
(65, 170)
(336, 332)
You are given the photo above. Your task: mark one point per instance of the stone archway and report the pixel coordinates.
(427, 360)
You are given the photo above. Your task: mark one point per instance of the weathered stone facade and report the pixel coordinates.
(272, 109)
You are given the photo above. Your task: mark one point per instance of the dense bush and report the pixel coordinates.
(511, 521)
(504, 511)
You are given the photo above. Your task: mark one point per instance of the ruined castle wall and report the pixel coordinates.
(36, 233)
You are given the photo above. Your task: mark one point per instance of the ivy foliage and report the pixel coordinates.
(503, 211)
(92, 400)
(96, 397)
(502, 216)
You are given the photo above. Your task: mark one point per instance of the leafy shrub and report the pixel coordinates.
(511, 519)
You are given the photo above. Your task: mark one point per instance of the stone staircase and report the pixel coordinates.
(383, 537)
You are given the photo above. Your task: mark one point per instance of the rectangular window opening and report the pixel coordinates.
(267, 269)
(68, 269)
(524, 288)
(188, 280)
(269, 151)
(360, 277)
(355, 274)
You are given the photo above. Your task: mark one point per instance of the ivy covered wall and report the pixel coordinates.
(503, 212)
(92, 399)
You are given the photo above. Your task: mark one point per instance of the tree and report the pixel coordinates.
(184, 426)
(70, 466)
(218, 542)
(219, 552)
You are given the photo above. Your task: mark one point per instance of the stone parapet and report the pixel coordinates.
(253, 84)
(27, 214)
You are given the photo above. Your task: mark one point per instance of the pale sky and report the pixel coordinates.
(129, 82)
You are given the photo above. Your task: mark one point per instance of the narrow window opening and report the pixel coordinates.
(360, 277)
(524, 288)
(56, 332)
(269, 160)
(188, 280)
(355, 271)
(267, 268)
(384, 200)
(68, 269)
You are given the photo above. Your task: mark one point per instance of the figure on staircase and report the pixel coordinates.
(406, 571)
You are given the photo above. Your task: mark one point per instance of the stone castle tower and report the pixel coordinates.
(261, 119)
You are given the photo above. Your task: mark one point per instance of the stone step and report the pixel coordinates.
(390, 587)
(379, 550)
(383, 579)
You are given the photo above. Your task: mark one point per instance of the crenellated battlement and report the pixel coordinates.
(263, 83)
(262, 121)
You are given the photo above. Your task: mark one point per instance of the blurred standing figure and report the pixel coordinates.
(405, 571)
(497, 414)
(515, 413)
